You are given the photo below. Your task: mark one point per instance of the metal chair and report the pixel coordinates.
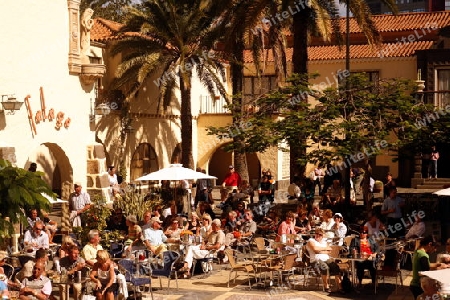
(129, 269)
(391, 270)
(170, 258)
(235, 266)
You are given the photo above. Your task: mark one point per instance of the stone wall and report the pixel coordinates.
(97, 182)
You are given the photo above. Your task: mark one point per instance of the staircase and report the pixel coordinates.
(438, 183)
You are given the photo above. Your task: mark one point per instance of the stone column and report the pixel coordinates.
(74, 36)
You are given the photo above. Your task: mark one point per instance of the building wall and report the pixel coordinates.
(34, 54)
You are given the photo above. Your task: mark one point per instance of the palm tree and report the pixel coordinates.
(171, 38)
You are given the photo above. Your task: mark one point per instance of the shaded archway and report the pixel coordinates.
(220, 160)
(144, 161)
(176, 155)
(54, 163)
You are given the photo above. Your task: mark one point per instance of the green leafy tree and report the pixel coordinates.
(114, 10)
(378, 116)
(20, 190)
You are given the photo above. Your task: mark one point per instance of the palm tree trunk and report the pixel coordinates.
(300, 66)
(240, 159)
(186, 123)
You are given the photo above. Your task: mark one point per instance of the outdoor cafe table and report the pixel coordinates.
(67, 281)
(353, 261)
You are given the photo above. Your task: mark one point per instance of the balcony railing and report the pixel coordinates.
(440, 99)
(213, 106)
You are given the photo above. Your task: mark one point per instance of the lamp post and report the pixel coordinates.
(347, 177)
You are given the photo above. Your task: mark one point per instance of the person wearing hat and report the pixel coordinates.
(339, 228)
(134, 234)
(79, 202)
(366, 247)
(154, 237)
(231, 182)
(214, 242)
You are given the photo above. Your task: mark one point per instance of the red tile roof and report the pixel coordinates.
(356, 51)
(104, 30)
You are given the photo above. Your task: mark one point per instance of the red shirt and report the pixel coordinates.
(232, 179)
(364, 247)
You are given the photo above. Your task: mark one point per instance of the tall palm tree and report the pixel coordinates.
(172, 39)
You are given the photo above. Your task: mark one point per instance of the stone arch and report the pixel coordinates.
(143, 161)
(220, 160)
(54, 163)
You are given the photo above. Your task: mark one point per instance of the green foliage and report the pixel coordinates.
(135, 203)
(114, 10)
(340, 124)
(20, 190)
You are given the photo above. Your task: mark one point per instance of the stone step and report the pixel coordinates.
(430, 186)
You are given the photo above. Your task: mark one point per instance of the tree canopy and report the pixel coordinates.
(20, 190)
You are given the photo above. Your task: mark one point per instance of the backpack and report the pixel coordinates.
(346, 283)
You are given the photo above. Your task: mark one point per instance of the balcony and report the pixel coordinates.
(213, 106)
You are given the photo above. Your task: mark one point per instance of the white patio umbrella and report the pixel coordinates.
(53, 201)
(442, 276)
(443, 192)
(175, 172)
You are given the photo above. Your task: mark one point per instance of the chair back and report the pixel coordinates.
(8, 270)
(128, 266)
(170, 258)
(229, 253)
(335, 250)
(289, 261)
(260, 243)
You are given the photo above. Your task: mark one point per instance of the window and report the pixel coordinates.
(254, 86)
(442, 84)
(144, 161)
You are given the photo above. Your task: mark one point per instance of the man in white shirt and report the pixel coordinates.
(319, 257)
(79, 202)
(417, 229)
(36, 238)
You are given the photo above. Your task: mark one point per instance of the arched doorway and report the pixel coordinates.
(144, 161)
(54, 163)
(220, 160)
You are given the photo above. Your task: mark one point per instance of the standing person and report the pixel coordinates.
(89, 251)
(388, 184)
(266, 190)
(113, 182)
(104, 277)
(392, 208)
(36, 287)
(73, 263)
(202, 188)
(434, 156)
(421, 262)
(79, 202)
(319, 174)
(231, 182)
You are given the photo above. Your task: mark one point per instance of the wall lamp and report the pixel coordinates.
(11, 103)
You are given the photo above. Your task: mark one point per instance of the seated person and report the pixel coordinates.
(269, 223)
(333, 196)
(37, 286)
(339, 228)
(73, 263)
(240, 210)
(286, 227)
(33, 216)
(214, 242)
(27, 269)
(294, 189)
(315, 216)
(90, 250)
(248, 226)
(117, 221)
(431, 289)
(36, 238)
(327, 224)
(366, 248)
(444, 258)
(247, 190)
(4, 290)
(104, 276)
(134, 234)
(155, 239)
(205, 229)
(307, 190)
(320, 259)
(266, 190)
(67, 241)
(373, 226)
(174, 230)
(417, 228)
(302, 224)
(50, 227)
(194, 223)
